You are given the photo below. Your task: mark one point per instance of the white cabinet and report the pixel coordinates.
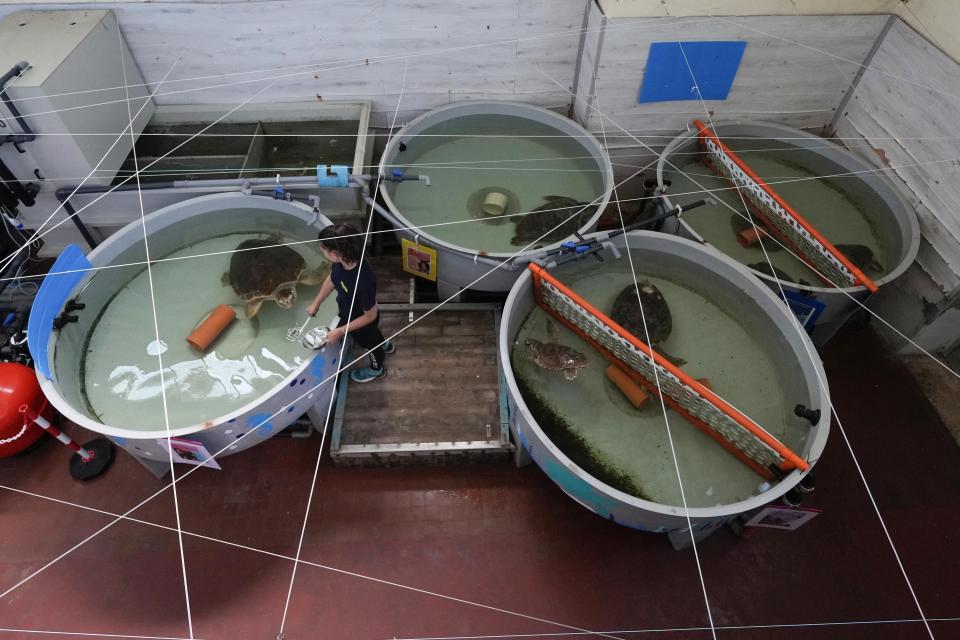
(72, 96)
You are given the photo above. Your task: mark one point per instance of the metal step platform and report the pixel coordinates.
(442, 400)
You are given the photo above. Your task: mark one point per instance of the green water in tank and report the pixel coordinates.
(469, 156)
(120, 368)
(630, 448)
(240, 149)
(807, 182)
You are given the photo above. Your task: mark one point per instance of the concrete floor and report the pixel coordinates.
(490, 550)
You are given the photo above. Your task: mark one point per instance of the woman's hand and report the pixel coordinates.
(313, 308)
(335, 335)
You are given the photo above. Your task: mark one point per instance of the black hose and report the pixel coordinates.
(22, 256)
(15, 72)
(657, 218)
(22, 193)
(78, 223)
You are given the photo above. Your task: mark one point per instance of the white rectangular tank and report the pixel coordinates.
(71, 52)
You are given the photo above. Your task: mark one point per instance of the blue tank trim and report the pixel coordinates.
(70, 267)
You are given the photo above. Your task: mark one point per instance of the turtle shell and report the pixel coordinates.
(553, 356)
(558, 218)
(626, 312)
(258, 268)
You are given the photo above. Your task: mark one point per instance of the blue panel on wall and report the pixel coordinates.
(714, 65)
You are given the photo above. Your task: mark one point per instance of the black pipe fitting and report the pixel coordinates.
(813, 415)
(63, 320)
(15, 72)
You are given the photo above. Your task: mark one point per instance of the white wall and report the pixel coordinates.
(777, 80)
(454, 51)
(903, 117)
(661, 8)
(937, 20)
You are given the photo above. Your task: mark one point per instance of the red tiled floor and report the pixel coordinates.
(492, 535)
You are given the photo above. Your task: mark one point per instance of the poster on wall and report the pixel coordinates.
(419, 260)
(189, 452)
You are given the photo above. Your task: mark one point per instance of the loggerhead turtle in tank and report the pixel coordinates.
(558, 218)
(626, 312)
(768, 269)
(262, 269)
(740, 222)
(861, 256)
(554, 356)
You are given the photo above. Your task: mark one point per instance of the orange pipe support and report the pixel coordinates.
(704, 131)
(749, 237)
(634, 392)
(790, 459)
(208, 331)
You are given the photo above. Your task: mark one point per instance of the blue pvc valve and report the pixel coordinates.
(575, 247)
(336, 175)
(397, 173)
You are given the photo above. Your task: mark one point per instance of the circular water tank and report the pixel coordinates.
(617, 460)
(849, 201)
(104, 368)
(489, 164)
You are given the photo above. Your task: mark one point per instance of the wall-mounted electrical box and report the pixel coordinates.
(74, 96)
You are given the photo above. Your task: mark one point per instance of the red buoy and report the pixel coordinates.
(19, 386)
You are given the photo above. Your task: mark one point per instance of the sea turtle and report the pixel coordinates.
(626, 312)
(860, 255)
(768, 270)
(554, 356)
(566, 214)
(740, 222)
(262, 269)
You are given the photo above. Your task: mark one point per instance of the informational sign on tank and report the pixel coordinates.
(782, 517)
(189, 452)
(419, 260)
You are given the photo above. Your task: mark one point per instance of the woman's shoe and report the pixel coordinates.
(367, 374)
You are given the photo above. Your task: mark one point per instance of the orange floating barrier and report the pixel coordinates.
(780, 219)
(208, 331)
(691, 398)
(635, 393)
(749, 237)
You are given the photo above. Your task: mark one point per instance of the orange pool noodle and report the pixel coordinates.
(218, 320)
(751, 236)
(636, 394)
